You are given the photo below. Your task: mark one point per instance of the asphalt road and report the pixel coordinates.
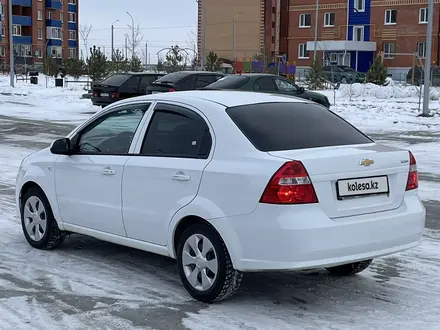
(89, 284)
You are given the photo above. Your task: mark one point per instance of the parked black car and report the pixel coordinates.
(419, 73)
(343, 74)
(267, 83)
(183, 81)
(121, 86)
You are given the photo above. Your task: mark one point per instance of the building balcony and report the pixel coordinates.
(22, 40)
(72, 44)
(22, 20)
(71, 8)
(54, 4)
(54, 23)
(342, 45)
(72, 26)
(54, 42)
(23, 3)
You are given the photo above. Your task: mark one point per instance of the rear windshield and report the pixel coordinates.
(231, 82)
(116, 80)
(289, 126)
(172, 77)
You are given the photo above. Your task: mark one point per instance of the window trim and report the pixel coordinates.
(417, 49)
(425, 9)
(304, 26)
(359, 10)
(183, 109)
(385, 18)
(328, 14)
(391, 56)
(359, 27)
(75, 136)
(305, 50)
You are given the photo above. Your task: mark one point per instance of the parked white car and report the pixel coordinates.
(225, 182)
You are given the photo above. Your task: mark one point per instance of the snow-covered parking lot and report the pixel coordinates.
(89, 284)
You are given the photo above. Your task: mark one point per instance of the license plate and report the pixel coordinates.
(155, 92)
(362, 186)
(105, 94)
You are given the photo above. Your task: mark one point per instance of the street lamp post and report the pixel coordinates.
(203, 32)
(316, 30)
(428, 54)
(132, 36)
(11, 46)
(233, 37)
(113, 38)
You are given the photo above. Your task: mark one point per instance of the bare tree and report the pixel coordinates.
(191, 43)
(138, 38)
(84, 32)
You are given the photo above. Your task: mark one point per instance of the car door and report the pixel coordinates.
(88, 182)
(284, 86)
(166, 175)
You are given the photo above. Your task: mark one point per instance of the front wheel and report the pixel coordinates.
(205, 266)
(350, 269)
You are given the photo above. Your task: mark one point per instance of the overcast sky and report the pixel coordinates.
(163, 22)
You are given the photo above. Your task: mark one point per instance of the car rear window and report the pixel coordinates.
(229, 82)
(116, 80)
(290, 126)
(172, 77)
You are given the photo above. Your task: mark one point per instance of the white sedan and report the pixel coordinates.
(225, 182)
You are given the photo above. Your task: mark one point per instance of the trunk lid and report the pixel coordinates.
(102, 90)
(355, 179)
(160, 87)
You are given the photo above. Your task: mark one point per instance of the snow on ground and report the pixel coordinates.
(88, 284)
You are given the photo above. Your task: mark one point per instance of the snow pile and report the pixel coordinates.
(391, 91)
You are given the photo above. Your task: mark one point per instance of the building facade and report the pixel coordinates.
(40, 29)
(353, 32)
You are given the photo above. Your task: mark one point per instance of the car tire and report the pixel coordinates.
(194, 268)
(350, 269)
(344, 80)
(36, 216)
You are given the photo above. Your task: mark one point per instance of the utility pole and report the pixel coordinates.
(132, 38)
(11, 45)
(234, 38)
(316, 30)
(126, 47)
(427, 76)
(203, 32)
(113, 38)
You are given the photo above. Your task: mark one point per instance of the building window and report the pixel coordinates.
(40, 34)
(305, 20)
(72, 35)
(359, 5)
(358, 33)
(22, 50)
(302, 51)
(16, 30)
(423, 15)
(49, 15)
(72, 17)
(61, 17)
(39, 14)
(2, 10)
(2, 51)
(421, 49)
(329, 19)
(3, 30)
(72, 52)
(391, 16)
(38, 53)
(53, 33)
(389, 49)
(72, 2)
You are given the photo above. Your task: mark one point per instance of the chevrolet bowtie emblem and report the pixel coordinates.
(366, 162)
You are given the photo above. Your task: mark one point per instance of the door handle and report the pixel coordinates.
(108, 171)
(181, 176)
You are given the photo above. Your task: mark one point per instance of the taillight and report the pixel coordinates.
(95, 94)
(413, 177)
(115, 95)
(171, 90)
(290, 185)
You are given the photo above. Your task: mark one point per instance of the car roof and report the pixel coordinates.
(196, 72)
(255, 74)
(227, 98)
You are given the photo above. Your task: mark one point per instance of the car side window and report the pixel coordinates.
(132, 84)
(204, 80)
(178, 132)
(146, 81)
(187, 83)
(112, 133)
(286, 86)
(265, 84)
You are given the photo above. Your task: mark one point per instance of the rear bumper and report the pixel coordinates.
(303, 237)
(103, 101)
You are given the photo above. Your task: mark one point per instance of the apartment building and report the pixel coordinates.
(40, 28)
(353, 32)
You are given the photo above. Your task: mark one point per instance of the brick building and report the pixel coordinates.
(40, 28)
(353, 32)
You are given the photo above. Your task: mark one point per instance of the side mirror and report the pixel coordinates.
(302, 90)
(61, 147)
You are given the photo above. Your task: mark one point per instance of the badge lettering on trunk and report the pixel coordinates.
(366, 162)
